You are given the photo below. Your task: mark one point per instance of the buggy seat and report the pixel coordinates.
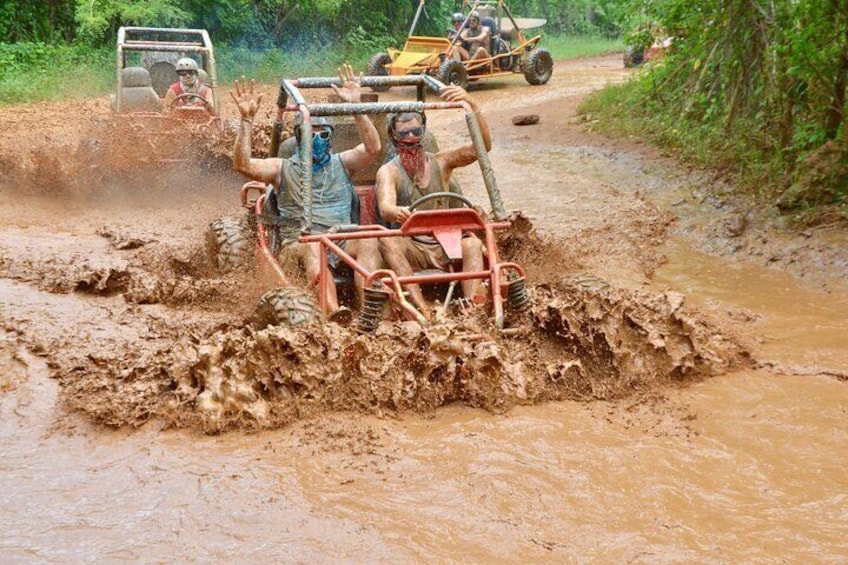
(137, 94)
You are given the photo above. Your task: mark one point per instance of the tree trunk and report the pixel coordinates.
(835, 114)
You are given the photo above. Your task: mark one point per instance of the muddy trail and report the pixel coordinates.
(655, 295)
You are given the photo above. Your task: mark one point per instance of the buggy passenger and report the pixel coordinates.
(189, 90)
(335, 201)
(474, 40)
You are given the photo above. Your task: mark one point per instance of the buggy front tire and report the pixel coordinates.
(228, 245)
(452, 72)
(377, 68)
(287, 307)
(538, 66)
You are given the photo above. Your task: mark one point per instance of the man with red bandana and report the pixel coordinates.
(415, 173)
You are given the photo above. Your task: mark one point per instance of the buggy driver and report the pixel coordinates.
(189, 90)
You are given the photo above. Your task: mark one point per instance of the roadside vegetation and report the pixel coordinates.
(755, 90)
(38, 71)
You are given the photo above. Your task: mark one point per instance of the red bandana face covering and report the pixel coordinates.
(412, 157)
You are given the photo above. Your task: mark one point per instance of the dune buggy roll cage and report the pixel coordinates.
(500, 7)
(183, 41)
(423, 83)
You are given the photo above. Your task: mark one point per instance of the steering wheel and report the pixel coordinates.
(189, 96)
(434, 195)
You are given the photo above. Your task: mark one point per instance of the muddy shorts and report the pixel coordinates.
(424, 255)
(288, 256)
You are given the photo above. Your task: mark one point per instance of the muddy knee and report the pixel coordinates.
(390, 247)
(471, 246)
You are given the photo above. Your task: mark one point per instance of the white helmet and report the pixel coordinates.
(186, 64)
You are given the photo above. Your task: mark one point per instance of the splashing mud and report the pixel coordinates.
(582, 339)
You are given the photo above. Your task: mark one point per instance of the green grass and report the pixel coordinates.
(35, 72)
(574, 46)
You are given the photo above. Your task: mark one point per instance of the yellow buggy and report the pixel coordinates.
(511, 51)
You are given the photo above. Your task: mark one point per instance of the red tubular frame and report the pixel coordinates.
(392, 281)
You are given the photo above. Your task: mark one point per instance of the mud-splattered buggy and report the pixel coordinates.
(146, 67)
(143, 132)
(510, 51)
(228, 240)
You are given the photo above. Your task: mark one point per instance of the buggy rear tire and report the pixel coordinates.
(633, 57)
(452, 72)
(377, 68)
(538, 66)
(228, 245)
(287, 307)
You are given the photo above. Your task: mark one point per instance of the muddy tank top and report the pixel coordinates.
(334, 200)
(408, 192)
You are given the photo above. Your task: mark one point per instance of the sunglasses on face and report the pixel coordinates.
(185, 73)
(324, 134)
(414, 132)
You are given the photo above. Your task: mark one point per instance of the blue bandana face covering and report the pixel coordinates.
(320, 153)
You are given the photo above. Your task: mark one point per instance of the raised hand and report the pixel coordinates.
(454, 93)
(247, 97)
(351, 89)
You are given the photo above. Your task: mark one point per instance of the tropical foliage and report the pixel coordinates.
(278, 22)
(756, 87)
(44, 43)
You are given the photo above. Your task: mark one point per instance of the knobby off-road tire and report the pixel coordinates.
(538, 66)
(376, 68)
(453, 72)
(633, 57)
(228, 245)
(287, 307)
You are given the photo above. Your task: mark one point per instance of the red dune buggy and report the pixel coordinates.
(289, 304)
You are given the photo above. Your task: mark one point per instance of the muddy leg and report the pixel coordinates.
(393, 253)
(310, 255)
(472, 260)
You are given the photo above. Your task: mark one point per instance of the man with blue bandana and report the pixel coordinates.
(334, 198)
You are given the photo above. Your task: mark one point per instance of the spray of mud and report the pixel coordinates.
(108, 155)
(581, 339)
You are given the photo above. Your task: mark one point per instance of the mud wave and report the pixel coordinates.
(579, 341)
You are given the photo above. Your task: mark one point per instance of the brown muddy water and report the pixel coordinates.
(738, 459)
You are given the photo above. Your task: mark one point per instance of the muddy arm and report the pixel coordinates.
(360, 156)
(168, 100)
(387, 196)
(466, 154)
(262, 170)
(206, 92)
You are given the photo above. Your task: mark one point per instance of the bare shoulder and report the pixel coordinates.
(387, 170)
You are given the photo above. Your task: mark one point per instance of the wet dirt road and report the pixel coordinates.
(743, 467)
